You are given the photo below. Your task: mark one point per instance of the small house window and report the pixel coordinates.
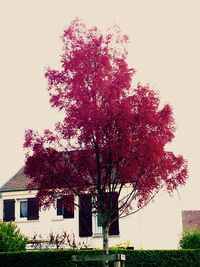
(97, 224)
(59, 207)
(65, 207)
(114, 227)
(28, 209)
(99, 220)
(23, 209)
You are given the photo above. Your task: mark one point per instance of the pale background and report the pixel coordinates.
(164, 49)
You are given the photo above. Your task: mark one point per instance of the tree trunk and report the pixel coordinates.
(105, 238)
(105, 242)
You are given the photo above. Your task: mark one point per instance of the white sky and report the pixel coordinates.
(164, 50)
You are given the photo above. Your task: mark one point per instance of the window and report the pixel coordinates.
(65, 207)
(86, 217)
(99, 220)
(113, 230)
(97, 224)
(23, 208)
(27, 209)
(59, 207)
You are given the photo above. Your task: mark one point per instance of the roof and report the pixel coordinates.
(17, 183)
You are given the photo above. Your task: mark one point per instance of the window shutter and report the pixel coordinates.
(9, 210)
(59, 207)
(85, 216)
(68, 211)
(114, 227)
(33, 209)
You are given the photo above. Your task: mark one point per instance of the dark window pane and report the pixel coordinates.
(68, 207)
(65, 207)
(99, 220)
(59, 207)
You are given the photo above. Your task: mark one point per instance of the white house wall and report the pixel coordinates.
(158, 226)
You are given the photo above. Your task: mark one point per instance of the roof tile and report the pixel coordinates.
(18, 182)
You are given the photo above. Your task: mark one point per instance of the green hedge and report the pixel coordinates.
(135, 258)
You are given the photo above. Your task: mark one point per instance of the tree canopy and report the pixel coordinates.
(112, 137)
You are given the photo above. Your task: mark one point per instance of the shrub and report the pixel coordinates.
(10, 238)
(190, 239)
(126, 245)
(61, 240)
(136, 258)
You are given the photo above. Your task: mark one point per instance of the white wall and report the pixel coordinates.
(146, 229)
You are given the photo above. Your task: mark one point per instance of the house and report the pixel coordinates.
(191, 219)
(157, 226)
(20, 205)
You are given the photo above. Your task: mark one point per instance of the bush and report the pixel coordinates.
(190, 239)
(136, 258)
(10, 238)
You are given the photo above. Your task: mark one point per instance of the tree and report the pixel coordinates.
(10, 238)
(112, 137)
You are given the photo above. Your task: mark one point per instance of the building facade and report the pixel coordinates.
(157, 226)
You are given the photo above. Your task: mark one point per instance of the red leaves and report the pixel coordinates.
(118, 135)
